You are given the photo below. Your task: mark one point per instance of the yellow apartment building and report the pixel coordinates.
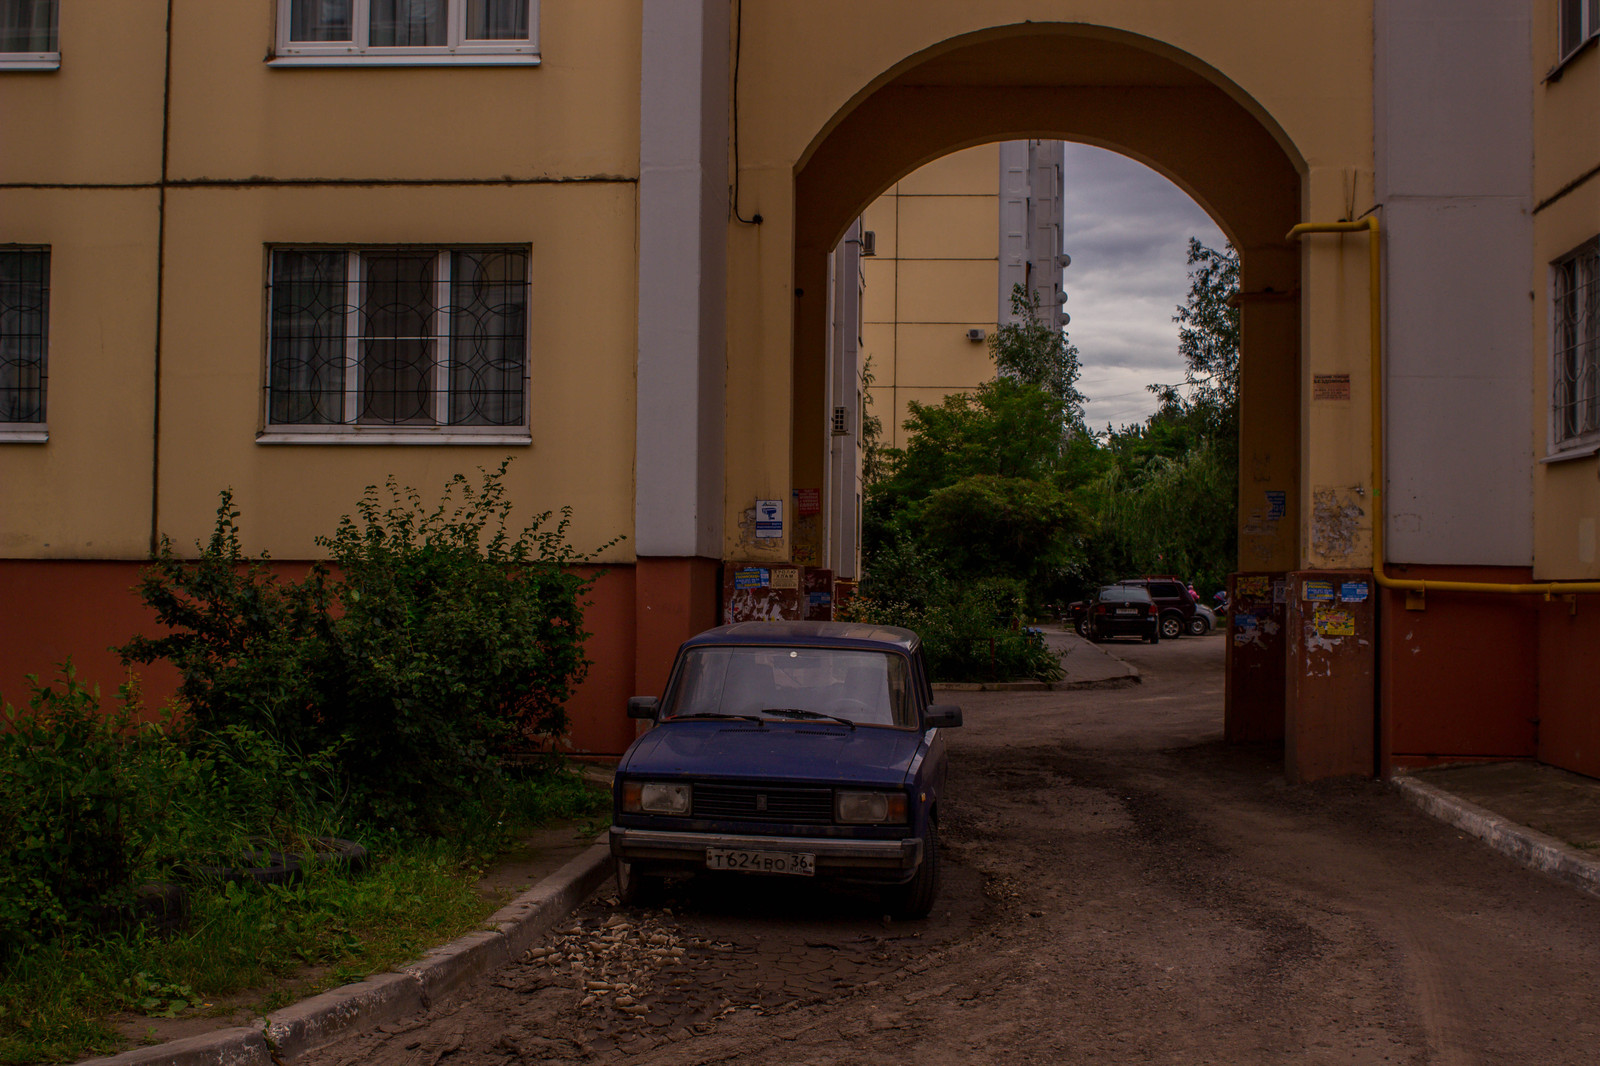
(297, 246)
(950, 239)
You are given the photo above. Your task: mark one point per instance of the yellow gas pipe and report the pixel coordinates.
(1546, 588)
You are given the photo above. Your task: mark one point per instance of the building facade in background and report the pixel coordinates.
(293, 249)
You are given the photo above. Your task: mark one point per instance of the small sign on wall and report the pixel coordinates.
(769, 519)
(1330, 386)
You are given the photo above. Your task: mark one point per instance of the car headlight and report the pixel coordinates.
(655, 797)
(866, 808)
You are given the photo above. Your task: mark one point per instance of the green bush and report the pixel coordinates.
(969, 632)
(438, 639)
(68, 808)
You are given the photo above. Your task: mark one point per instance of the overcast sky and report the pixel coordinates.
(1127, 230)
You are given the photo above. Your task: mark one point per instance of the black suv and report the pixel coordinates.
(1172, 600)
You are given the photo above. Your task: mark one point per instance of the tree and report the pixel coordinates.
(1031, 352)
(1208, 335)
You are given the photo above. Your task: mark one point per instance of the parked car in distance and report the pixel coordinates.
(788, 749)
(1175, 606)
(1203, 622)
(1172, 598)
(1121, 611)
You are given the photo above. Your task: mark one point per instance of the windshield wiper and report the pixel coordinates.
(797, 712)
(718, 714)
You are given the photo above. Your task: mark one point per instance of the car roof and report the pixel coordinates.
(839, 634)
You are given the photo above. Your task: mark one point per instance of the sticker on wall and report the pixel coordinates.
(1251, 588)
(769, 519)
(751, 577)
(1280, 592)
(1353, 591)
(1330, 386)
(1317, 591)
(808, 502)
(1331, 621)
(787, 577)
(1277, 504)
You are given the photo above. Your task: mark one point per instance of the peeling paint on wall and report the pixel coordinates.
(1336, 515)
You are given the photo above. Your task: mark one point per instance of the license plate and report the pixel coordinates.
(761, 862)
(1127, 610)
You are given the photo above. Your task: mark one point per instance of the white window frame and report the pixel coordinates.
(456, 51)
(1585, 442)
(356, 432)
(1587, 13)
(34, 432)
(44, 61)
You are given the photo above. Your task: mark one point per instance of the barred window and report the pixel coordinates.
(1576, 369)
(28, 35)
(406, 31)
(398, 337)
(24, 331)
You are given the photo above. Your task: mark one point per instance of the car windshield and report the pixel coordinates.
(774, 682)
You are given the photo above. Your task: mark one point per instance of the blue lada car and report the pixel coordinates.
(788, 749)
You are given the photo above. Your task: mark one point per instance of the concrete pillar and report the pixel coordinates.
(682, 357)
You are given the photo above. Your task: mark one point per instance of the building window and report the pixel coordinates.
(24, 331)
(1576, 347)
(28, 35)
(406, 32)
(403, 340)
(1580, 21)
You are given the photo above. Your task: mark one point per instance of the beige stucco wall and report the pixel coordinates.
(1566, 121)
(580, 364)
(86, 492)
(545, 156)
(1317, 101)
(574, 115)
(98, 118)
(933, 278)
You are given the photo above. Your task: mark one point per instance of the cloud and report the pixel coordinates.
(1127, 229)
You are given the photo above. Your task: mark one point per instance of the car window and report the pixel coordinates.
(865, 687)
(1125, 595)
(1166, 590)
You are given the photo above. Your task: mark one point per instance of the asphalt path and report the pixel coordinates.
(1120, 886)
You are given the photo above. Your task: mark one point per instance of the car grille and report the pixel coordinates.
(747, 803)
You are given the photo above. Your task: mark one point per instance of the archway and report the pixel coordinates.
(1145, 100)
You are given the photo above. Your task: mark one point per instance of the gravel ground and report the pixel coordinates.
(1121, 887)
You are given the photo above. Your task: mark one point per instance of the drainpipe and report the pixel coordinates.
(1416, 588)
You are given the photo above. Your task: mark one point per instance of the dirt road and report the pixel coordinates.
(1122, 888)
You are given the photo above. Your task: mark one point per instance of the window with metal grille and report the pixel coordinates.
(398, 338)
(1580, 20)
(1576, 364)
(407, 31)
(24, 334)
(28, 35)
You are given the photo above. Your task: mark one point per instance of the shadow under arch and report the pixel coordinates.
(1115, 90)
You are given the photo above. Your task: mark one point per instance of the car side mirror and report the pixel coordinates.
(944, 715)
(643, 707)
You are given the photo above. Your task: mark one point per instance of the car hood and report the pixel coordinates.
(801, 752)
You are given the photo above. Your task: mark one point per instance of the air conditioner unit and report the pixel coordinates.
(975, 335)
(869, 242)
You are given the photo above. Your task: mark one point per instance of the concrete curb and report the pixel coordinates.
(1529, 847)
(389, 997)
(1130, 674)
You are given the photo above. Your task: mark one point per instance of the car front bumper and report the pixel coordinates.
(895, 859)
